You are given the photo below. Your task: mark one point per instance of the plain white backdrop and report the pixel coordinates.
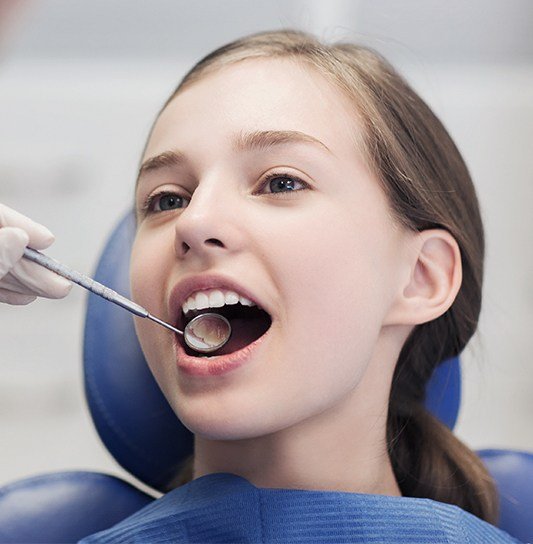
(80, 84)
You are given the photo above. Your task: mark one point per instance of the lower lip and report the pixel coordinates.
(222, 364)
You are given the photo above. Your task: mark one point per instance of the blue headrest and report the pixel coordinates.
(65, 506)
(130, 413)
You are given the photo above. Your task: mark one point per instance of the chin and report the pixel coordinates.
(238, 425)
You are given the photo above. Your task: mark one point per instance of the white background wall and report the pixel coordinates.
(80, 83)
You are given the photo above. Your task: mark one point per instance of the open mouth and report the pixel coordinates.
(248, 323)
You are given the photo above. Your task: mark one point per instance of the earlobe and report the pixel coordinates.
(434, 280)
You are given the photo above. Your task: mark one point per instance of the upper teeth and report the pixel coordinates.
(214, 298)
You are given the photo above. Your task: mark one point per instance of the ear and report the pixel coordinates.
(433, 280)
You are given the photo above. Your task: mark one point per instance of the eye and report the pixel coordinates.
(280, 183)
(164, 201)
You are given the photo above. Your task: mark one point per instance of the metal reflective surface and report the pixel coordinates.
(207, 332)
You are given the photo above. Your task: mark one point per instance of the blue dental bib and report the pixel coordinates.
(223, 507)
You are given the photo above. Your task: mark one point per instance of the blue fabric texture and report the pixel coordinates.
(224, 507)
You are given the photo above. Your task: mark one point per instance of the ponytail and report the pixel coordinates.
(428, 460)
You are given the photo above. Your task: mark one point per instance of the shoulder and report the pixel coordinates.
(227, 508)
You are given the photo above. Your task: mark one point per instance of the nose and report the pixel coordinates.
(208, 226)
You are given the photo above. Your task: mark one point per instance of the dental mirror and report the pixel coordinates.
(207, 332)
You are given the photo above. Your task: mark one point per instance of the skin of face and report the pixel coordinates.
(329, 259)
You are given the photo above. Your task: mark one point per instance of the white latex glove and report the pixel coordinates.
(21, 280)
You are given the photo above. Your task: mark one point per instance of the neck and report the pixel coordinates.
(267, 464)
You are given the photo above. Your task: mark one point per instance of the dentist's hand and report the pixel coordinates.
(22, 281)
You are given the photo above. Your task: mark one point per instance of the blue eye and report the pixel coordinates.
(280, 183)
(170, 202)
(164, 201)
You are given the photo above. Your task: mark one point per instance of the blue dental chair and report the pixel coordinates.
(139, 428)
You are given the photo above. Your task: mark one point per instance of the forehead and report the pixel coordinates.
(256, 95)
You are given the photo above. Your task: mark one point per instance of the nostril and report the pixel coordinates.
(215, 242)
(210, 241)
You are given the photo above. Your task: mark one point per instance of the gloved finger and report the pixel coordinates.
(29, 278)
(39, 236)
(15, 298)
(12, 244)
(24, 277)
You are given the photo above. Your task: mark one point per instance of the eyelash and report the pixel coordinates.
(149, 202)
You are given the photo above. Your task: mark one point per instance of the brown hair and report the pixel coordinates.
(428, 186)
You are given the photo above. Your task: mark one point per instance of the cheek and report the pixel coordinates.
(147, 271)
(333, 280)
(335, 264)
(148, 277)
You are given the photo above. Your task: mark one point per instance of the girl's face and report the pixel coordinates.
(317, 245)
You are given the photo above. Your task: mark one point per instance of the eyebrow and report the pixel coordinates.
(261, 140)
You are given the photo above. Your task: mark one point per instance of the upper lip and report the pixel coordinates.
(190, 284)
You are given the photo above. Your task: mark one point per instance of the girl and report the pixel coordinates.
(309, 183)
